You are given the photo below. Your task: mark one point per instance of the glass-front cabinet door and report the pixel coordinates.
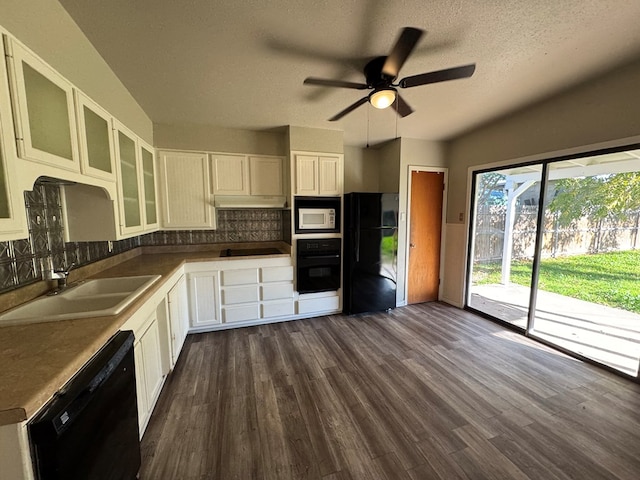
(13, 223)
(149, 186)
(129, 184)
(96, 141)
(43, 109)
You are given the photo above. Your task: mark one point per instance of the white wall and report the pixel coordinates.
(599, 113)
(46, 28)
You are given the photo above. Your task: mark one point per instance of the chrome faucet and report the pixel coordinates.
(61, 275)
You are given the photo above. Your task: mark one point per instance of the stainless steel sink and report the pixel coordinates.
(92, 298)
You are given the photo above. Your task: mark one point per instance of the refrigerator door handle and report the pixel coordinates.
(355, 234)
(357, 227)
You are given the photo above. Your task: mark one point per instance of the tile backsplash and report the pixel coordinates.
(247, 225)
(20, 259)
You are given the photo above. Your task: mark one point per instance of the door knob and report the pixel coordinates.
(412, 245)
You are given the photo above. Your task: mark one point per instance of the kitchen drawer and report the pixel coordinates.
(240, 313)
(278, 308)
(322, 304)
(245, 294)
(277, 274)
(277, 290)
(240, 277)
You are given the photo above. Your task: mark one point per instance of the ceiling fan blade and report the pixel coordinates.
(334, 83)
(349, 109)
(464, 71)
(402, 107)
(401, 50)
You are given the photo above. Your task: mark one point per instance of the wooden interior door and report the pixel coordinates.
(425, 227)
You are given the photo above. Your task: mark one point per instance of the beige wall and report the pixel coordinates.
(602, 110)
(389, 159)
(316, 140)
(596, 114)
(45, 27)
(361, 169)
(412, 152)
(219, 139)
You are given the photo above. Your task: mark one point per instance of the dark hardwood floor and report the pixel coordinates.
(423, 392)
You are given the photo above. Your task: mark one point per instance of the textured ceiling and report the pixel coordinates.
(241, 63)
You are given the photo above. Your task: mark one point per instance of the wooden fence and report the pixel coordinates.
(582, 236)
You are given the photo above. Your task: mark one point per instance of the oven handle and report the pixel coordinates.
(320, 257)
(325, 260)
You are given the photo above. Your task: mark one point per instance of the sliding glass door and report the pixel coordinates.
(567, 273)
(504, 233)
(588, 296)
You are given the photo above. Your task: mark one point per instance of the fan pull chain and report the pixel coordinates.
(368, 107)
(397, 115)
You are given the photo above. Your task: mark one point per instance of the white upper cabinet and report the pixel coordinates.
(12, 214)
(129, 180)
(266, 176)
(306, 175)
(329, 175)
(43, 110)
(247, 175)
(97, 155)
(318, 175)
(230, 174)
(148, 173)
(185, 191)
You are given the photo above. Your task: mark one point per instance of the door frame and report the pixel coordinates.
(423, 168)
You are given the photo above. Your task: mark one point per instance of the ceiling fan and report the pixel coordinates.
(381, 72)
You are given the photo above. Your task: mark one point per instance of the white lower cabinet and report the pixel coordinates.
(276, 291)
(315, 305)
(141, 387)
(276, 274)
(279, 308)
(249, 291)
(149, 375)
(203, 298)
(240, 276)
(178, 305)
(241, 313)
(243, 294)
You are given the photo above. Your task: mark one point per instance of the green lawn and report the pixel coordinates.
(606, 278)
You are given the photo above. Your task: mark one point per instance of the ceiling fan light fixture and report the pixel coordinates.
(383, 98)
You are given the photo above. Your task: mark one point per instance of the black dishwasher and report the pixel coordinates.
(89, 430)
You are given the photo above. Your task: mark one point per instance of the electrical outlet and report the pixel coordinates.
(461, 216)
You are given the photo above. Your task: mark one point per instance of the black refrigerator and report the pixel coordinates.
(370, 252)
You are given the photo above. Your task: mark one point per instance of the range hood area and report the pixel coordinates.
(249, 201)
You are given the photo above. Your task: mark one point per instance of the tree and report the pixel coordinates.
(602, 196)
(489, 183)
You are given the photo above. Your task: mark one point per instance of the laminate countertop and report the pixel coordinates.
(36, 360)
